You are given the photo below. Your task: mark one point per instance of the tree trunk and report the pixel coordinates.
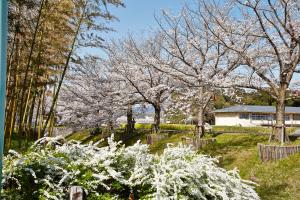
(200, 124)
(130, 124)
(280, 117)
(110, 124)
(157, 118)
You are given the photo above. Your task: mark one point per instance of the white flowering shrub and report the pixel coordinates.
(52, 165)
(180, 173)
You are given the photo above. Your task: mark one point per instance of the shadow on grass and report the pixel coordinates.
(228, 160)
(231, 142)
(130, 139)
(272, 192)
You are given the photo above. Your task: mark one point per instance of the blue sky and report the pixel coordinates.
(138, 16)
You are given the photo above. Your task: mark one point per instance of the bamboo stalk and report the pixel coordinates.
(29, 61)
(16, 57)
(37, 112)
(52, 122)
(26, 103)
(41, 114)
(29, 120)
(12, 124)
(65, 69)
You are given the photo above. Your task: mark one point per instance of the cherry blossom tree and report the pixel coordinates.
(90, 96)
(127, 98)
(200, 63)
(266, 36)
(137, 62)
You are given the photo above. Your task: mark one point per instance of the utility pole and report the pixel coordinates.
(3, 49)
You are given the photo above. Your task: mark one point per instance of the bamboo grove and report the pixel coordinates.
(44, 38)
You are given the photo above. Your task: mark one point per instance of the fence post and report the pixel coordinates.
(131, 196)
(77, 193)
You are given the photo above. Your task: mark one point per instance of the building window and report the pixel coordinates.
(296, 117)
(268, 117)
(287, 118)
(261, 117)
(244, 116)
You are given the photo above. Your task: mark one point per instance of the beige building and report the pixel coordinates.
(243, 115)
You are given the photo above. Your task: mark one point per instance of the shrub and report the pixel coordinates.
(51, 166)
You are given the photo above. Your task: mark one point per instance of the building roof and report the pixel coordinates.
(255, 109)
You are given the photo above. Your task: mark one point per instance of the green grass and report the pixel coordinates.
(280, 180)
(240, 129)
(179, 127)
(223, 129)
(277, 180)
(80, 135)
(19, 143)
(128, 139)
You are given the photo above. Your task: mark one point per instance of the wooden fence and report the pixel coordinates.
(152, 138)
(275, 152)
(196, 142)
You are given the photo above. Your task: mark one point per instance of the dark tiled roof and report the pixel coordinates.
(255, 109)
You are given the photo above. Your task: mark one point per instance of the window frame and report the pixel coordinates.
(244, 116)
(296, 118)
(261, 117)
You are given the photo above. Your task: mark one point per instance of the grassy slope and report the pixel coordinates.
(80, 135)
(277, 180)
(257, 129)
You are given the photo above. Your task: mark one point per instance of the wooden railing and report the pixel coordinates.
(275, 152)
(196, 142)
(152, 138)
